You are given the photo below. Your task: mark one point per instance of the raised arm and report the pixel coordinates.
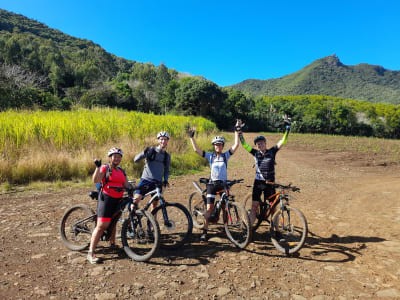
(246, 146)
(141, 155)
(285, 136)
(194, 144)
(236, 145)
(97, 175)
(238, 128)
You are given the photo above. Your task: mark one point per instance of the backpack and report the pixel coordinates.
(153, 153)
(99, 185)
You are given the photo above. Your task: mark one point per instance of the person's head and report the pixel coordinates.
(218, 143)
(115, 156)
(261, 142)
(163, 138)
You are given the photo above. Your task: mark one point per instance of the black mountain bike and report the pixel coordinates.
(235, 218)
(140, 234)
(174, 220)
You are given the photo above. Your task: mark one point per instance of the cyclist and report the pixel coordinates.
(218, 165)
(265, 166)
(107, 205)
(156, 168)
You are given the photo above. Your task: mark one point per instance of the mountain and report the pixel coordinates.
(328, 76)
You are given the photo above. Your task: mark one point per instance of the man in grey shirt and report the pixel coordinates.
(156, 168)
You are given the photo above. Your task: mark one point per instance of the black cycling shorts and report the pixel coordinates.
(212, 189)
(260, 187)
(107, 206)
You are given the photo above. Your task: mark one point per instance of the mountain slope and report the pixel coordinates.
(328, 76)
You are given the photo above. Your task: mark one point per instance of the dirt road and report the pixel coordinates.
(352, 252)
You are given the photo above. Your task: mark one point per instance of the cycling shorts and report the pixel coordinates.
(145, 186)
(259, 187)
(106, 207)
(212, 189)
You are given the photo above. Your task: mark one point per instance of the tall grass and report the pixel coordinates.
(54, 145)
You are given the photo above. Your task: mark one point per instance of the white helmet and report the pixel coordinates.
(115, 151)
(218, 139)
(163, 134)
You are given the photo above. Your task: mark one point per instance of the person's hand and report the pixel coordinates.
(192, 131)
(239, 125)
(287, 122)
(166, 184)
(97, 162)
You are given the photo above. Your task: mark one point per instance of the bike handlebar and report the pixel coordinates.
(228, 182)
(285, 187)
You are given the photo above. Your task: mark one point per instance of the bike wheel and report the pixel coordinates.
(176, 231)
(76, 227)
(288, 230)
(197, 209)
(248, 203)
(141, 236)
(237, 225)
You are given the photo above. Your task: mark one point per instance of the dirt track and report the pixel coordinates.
(352, 252)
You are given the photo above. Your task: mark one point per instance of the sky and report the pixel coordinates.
(229, 41)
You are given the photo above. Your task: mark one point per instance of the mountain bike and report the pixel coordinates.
(288, 226)
(235, 218)
(174, 219)
(140, 234)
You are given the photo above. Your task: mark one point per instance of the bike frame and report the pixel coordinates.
(278, 196)
(156, 195)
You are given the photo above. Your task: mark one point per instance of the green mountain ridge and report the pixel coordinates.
(328, 76)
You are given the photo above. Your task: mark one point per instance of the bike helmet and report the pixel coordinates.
(259, 138)
(217, 140)
(163, 134)
(115, 151)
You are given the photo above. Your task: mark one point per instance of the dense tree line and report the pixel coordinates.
(45, 69)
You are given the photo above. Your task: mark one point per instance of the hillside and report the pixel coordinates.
(328, 76)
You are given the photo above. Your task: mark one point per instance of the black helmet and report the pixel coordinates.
(259, 138)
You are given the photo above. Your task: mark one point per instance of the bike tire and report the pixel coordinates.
(289, 230)
(237, 225)
(77, 226)
(136, 240)
(248, 202)
(177, 233)
(197, 208)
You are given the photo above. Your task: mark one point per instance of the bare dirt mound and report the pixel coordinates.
(352, 251)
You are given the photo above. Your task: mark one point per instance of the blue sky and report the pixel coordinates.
(229, 41)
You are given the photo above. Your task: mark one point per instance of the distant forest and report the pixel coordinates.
(43, 68)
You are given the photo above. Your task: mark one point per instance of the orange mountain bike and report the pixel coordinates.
(288, 226)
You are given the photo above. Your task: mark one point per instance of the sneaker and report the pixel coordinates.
(131, 234)
(204, 237)
(92, 259)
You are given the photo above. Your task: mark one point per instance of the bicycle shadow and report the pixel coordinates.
(201, 253)
(334, 249)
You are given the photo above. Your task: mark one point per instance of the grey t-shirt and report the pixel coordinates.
(155, 169)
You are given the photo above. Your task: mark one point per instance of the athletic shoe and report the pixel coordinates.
(204, 237)
(92, 259)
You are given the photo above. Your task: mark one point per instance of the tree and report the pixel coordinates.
(199, 97)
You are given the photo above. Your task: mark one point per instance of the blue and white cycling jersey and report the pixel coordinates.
(218, 165)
